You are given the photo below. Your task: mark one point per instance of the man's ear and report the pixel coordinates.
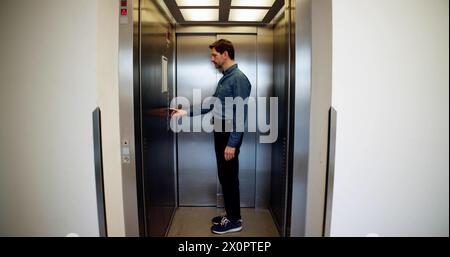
(226, 54)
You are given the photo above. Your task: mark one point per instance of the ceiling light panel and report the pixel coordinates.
(247, 15)
(253, 3)
(200, 14)
(197, 2)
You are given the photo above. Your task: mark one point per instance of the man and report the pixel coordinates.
(233, 84)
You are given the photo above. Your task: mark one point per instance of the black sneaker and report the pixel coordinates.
(226, 226)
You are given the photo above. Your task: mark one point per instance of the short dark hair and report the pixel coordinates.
(223, 45)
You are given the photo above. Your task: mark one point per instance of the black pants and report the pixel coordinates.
(228, 172)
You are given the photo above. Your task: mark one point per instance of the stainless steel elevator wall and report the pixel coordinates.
(157, 140)
(196, 161)
(278, 192)
(197, 168)
(265, 41)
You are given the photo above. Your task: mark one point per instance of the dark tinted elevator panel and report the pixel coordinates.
(158, 175)
(278, 195)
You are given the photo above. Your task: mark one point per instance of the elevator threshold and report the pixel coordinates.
(196, 222)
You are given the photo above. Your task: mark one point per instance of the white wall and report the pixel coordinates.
(47, 94)
(391, 92)
(59, 62)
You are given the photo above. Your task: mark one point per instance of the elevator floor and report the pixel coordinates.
(196, 222)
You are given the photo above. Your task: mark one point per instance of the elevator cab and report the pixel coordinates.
(170, 178)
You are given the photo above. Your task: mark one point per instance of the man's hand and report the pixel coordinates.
(178, 112)
(229, 153)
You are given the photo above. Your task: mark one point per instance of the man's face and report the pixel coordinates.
(218, 59)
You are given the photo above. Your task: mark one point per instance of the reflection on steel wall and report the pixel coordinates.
(157, 46)
(265, 89)
(280, 147)
(196, 159)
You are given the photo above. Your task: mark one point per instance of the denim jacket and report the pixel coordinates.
(233, 84)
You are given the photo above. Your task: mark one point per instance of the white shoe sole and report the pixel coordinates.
(228, 231)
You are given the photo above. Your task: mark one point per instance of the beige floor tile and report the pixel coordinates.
(196, 222)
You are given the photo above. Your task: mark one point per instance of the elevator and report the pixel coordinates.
(164, 56)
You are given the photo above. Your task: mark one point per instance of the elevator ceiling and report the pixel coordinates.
(228, 12)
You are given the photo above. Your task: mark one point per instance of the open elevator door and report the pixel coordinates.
(198, 184)
(154, 88)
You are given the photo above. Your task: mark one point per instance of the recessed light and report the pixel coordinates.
(200, 14)
(255, 3)
(247, 15)
(197, 2)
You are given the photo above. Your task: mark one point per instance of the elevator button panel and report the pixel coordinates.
(126, 153)
(123, 12)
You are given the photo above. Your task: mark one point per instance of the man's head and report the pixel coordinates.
(222, 54)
